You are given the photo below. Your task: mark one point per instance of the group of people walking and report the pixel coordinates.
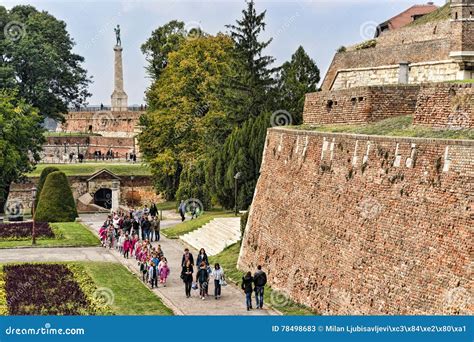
(132, 234)
(204, 274)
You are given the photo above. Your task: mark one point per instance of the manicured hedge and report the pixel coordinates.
(56, 202)
(46, 171)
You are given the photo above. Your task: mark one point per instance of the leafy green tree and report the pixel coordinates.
(46, 171)
(21, 138)
(297, 78)
(187, 117)
(56, 202)
(163, 40)
(247, 90)
(36, 59)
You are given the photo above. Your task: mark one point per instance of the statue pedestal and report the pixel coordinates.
(119, 98)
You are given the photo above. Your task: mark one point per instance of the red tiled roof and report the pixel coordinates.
(406, 16)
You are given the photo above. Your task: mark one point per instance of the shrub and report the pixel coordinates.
(243, 222)
(46, 171)
(367, 44)
(341, 49)
(56, 203)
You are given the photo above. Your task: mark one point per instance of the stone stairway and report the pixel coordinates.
(215, 235)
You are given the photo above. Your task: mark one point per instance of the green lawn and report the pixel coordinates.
(168, 205)
(228, 260)
(131, 296)
(401, 126)
(68, 234)
(84, 169)
(189, 225)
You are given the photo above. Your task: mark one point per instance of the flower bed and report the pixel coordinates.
(23, 230)
(49, 289)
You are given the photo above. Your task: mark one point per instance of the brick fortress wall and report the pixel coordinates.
(351, 224)
(106, 123)
(426, 47)
(445, 106)
(359, 105)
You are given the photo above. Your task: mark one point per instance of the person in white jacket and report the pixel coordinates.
(219, 280)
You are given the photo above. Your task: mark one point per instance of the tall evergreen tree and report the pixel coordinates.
(297, 77)
(254, 76)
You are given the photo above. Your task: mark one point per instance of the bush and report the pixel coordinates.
(243, 222)
(341, 49)
(46, 171)
(56, 203)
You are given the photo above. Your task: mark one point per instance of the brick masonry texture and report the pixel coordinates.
(106, 123)
(445, 106)
(359, 105)
(353, 224)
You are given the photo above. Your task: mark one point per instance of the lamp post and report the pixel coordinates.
(33, 231)
(133, 196)
(236, 178)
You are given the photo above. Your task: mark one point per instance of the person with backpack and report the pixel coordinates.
(260, 279)
(247, 286)
(202, 278)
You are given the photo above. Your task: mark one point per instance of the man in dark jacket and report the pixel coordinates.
(146, 228)
(260, 279)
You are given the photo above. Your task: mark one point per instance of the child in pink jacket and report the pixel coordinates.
(164, 272)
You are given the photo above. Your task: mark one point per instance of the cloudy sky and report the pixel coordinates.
(320, 26)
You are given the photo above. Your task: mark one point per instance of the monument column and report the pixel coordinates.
(119, 97)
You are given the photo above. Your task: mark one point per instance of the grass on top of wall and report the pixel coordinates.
(228, 261)
(442, 13)
(400, 126)
(85, 169)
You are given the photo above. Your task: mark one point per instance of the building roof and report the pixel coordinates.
(104, 173)
(406, 17)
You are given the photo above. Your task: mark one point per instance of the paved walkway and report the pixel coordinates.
(232, 301)
(56, 254)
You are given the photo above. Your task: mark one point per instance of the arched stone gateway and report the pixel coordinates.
(103, 198)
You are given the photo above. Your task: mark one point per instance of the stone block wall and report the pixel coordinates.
(359, 105)
(424, 72)
(445, 106)
(351, 224)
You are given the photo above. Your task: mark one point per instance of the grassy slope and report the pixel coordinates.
(190, 225)
(72, 234)
(131, 296)
(84, 169)
(228, 260)
(400, 126)
(442, 13)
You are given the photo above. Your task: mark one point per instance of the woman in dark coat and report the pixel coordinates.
(247, 286)
(187, 276)
(202, 257)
